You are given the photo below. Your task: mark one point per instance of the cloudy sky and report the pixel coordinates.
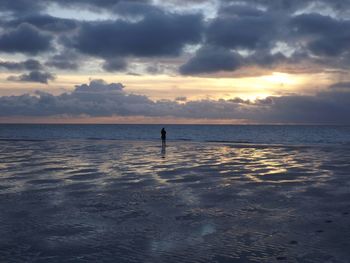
(174, 61)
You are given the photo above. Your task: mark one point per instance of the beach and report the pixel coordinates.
(132, 201)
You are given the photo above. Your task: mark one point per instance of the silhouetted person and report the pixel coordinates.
(163, 136)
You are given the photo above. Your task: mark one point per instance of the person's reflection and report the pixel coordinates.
(163, 151)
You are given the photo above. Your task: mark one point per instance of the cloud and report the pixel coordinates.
(25, 39)
(242, 29)
(29, 64)
(21, 6)
(331, 107)
(135, 8)
(33, 6)
(115, 64)
(239, 33)
(98, 86)
(341, 86)
(30, 6)
(162, 34)
(99, 98)
(252, 31)
(327, 36)
(255, 28)
(181, 99)
(211, 59)
(291, 6)
(110, 5)
(214, 59)
(45, 22)
(67, 60)
(33, 76)
(228, 9)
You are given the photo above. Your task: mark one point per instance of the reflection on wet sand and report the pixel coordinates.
(87, 201)
(163, 151)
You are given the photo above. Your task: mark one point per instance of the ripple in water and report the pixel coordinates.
(99, 201)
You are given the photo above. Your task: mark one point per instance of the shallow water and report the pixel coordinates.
(254, 134)
(114, 201)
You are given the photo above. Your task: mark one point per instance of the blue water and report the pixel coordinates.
(255, 134)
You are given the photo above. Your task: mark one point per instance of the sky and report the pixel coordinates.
(172, 61)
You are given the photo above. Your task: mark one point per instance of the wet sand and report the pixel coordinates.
(114, 201)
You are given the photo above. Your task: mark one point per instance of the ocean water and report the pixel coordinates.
(112, 193)
(246, 134)
(133, 202)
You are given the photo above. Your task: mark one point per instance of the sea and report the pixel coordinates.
(215, 193)
(239, 134)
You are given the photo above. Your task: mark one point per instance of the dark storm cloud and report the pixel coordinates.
(156, 35)
(326, 107)
(211, 59)
(135, 8)
(314, 24)
(283, 5)
(30, 64)
(341, 86)
(258, 26)
(25, 39)
(214, 59)
(239, 11)
(101, 99)
(62, 64)
(328, 36)
(145, 29)
(44, 22)
(238, 27)
(33, 6)
(290, 6)
(248, 32)
(21, 6)
(266, 59)
(93, 4)
(116, 64)
(33, 76)
(66, 60)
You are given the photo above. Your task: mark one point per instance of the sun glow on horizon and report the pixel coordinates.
(280, 78)
(158, 87)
